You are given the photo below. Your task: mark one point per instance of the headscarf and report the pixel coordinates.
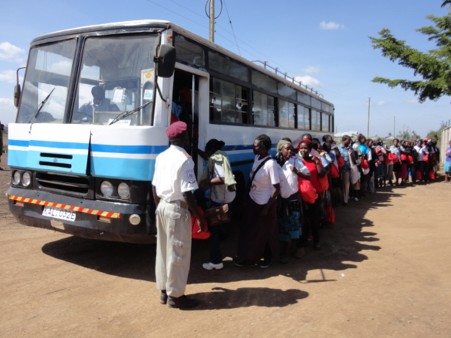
(281, 144)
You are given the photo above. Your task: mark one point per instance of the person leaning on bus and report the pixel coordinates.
(172, 186)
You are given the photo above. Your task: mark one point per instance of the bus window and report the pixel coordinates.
(189, 52)
(228, 103)
(303, 117)
(316, 120)
(263, 110)
(264, 82)
(325, 122)
(47, 77)
(227, 66)
(116, 76)
(286, 114)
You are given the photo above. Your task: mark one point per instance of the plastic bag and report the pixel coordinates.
(307, 190)
(195, 227)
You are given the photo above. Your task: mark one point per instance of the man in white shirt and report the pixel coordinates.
(173, 185)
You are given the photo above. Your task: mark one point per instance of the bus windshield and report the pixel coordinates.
(46, 83)
(115, 82)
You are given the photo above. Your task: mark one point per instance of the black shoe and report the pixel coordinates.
(264, 264)
(182, 302)
(163, 297)
(241, 263)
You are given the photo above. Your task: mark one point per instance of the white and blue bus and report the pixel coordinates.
(94, 107)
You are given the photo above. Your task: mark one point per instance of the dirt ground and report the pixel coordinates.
(384, 271)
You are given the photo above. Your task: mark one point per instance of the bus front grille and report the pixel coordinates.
(66, 184)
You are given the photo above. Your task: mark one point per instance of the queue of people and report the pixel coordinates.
(290, 197)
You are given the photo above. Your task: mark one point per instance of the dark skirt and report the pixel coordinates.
(259, 234)
(289, 217)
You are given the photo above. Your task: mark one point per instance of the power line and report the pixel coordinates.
(207, 11)
(249, 49)
(177, 13)
(231, 26)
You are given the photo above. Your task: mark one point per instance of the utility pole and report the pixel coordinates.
(368, 127)
(212, 20)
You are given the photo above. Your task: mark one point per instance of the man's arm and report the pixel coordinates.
(156, 199)
(192, 205)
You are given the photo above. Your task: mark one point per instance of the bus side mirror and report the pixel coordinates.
(17, 95)
(17, 90)
(165, 60)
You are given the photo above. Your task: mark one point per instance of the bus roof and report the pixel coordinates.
(152, 25)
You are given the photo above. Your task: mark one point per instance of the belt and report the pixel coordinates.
(182, 203)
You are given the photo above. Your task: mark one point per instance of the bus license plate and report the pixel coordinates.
(65, 215)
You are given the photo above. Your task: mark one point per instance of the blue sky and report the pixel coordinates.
(324, 43)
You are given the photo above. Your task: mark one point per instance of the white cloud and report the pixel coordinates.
(9, 52)
(312, 70)
(330, 25)
(8, 76)
(308, 80)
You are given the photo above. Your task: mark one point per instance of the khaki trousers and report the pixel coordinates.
(173, 247)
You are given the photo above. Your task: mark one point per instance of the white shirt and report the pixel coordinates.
(174, 174)
(267, 176)
(300, 166)
(421, 152)
(291, 178)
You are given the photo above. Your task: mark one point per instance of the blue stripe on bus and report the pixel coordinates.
(20, 143)
(123, 168)
(33, 160)
(128, 149)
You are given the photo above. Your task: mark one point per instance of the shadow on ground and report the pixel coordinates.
(343, 246)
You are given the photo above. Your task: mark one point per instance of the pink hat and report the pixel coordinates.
(176, 129)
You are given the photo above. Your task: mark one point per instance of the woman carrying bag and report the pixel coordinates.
(258, 241)
(290, 206)
(219, 185)
(312, 210)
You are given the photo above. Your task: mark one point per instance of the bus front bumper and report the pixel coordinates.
(103, 220)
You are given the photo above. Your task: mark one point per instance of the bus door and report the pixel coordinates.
(190, 104)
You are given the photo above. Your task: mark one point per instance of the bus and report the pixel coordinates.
(94, 106)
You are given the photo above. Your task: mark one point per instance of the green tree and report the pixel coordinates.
(433, 67)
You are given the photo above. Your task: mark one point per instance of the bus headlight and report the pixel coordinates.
(26, 179)
(123, 190)
(134, 219)
(106, 188)
(16, 178)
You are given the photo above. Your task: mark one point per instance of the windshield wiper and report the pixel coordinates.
(128, 113)
(41, 106)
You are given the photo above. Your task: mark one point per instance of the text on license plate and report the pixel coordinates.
(66, 215)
